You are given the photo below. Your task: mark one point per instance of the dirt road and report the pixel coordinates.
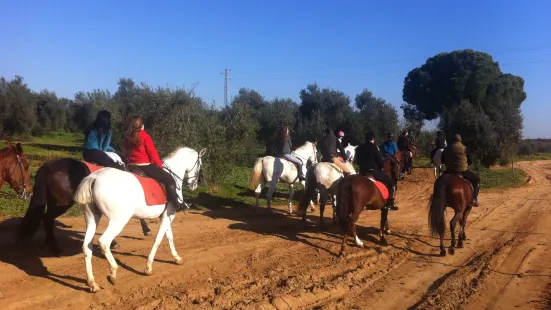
(235, 258)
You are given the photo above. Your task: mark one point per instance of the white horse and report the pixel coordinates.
(324, 178)
(271, 170)
(350, 151)
(119, 196)
(437, 162)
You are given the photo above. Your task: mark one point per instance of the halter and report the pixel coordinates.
(23, 182)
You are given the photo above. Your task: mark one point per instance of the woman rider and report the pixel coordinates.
(141, 152)
(286, 146)
(97, 141)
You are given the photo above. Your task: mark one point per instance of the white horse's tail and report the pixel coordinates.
(83, 194)
(256, 174)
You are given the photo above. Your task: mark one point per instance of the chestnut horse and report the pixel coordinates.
(14, 169)
(355, 193)
(450, 190)
(55, 184)
(392, 168)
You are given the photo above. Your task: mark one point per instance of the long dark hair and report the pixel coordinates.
(131, 137)
(102, 124)
(283, 136)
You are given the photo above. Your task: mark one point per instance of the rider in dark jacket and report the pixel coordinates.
(328, 149)
(439, 144)
(371, 162)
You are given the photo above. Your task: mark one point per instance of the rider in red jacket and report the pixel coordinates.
(141, 152)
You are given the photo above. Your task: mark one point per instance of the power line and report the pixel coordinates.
(419, 59)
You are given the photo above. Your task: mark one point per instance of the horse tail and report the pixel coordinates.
(309, 190)
(37, 206)
(83, 194)
(343, 202)
(256, 174)
(438, 205)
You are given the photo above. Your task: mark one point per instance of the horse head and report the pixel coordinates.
(16, 169)
(187, 166)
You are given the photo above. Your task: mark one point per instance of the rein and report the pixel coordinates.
(23, 181)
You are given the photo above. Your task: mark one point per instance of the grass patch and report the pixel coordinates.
(501, 178)
(538, 156)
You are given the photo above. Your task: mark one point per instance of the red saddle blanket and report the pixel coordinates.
(382, 188)
(153, 192)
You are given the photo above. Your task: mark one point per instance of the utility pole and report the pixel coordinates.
(226, 79)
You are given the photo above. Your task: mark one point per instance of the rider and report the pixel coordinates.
(439, 144)
(97, 141)
(456, 159)
(371, 162)
(390, 147)
(141, 152)
(328, 148)
(286, 146)
(404, 143)
(340, 148)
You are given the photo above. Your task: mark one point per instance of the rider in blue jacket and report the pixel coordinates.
(390, 147)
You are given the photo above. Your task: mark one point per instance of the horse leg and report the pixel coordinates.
(384, 222)
(323, 201)
(291, 193)
(170, 238)
(463, 224)
(165, 224)
(270, 193)
(53, 211)
(352, 224)
(92, 218)
(113, 229)
(257, 192)
(145, 228)
(334, 205)
(456, 218)
(343, 244)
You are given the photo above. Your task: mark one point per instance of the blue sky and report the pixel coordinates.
(274, 47)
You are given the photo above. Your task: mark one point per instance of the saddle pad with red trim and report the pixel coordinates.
(153, 192)
(382, 188)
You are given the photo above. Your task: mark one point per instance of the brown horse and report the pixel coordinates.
(14, 169)
(55, 184)
(392, 168)
(450, 190)
(355, 193)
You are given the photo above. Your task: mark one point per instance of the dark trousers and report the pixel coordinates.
(100, 158)
(384, 178)
(159, 174)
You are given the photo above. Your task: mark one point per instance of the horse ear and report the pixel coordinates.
(203, 152)
(18, 149)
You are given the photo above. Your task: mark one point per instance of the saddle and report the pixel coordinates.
(459, 175)
(380, 186)
(154, 192)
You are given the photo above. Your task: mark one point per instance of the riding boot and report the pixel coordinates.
(475, 196)
(173, 198)
(391, 205)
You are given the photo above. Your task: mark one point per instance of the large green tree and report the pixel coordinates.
(377, 115)
(471, 96)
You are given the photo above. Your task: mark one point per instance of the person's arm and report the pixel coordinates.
(151, 150)
(395, 147)
(107, 142)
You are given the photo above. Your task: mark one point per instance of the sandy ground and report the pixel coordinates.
(236, 258)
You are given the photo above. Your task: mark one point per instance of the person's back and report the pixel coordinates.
(328, 147)
(403, 142)
(390, 147)
(369, 158)
(97, 141)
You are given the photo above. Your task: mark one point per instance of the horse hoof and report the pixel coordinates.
(147, 233)
(460, 245)
(451, 250)
(94, 288)
(342, 254)
(111, 279)
(179, 261)
(384, 242)
(148, 271)
(387, 232)
(442, 253)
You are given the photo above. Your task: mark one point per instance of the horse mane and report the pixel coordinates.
(178, 151)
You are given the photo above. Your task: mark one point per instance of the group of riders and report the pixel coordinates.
(371, 160)
(139, 151)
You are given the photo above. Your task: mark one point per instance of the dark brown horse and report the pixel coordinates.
(14, 169)
(392, 168)
(407, 160)
(55, 184)
(355, 193)
(453, 191)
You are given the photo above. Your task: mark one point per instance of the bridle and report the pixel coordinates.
(22, 171)
(181, 180)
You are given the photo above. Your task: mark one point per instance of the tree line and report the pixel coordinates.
(465, 90)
